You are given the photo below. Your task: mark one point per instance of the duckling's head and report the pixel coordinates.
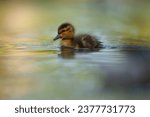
(65, 31)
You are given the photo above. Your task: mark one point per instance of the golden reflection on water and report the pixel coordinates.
(15, 71)
(11, 88)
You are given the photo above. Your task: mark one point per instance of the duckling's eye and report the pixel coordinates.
(62, 31)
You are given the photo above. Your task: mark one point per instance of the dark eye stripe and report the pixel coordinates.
(61, 31)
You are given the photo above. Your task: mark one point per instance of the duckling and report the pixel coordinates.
(66, 32)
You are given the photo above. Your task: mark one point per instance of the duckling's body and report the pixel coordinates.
(66, 32)
(86, 41)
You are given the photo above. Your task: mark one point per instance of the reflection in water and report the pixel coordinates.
(67, 53)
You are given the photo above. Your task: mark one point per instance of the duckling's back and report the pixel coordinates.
(86, 41)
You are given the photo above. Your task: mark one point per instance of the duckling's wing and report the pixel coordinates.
(78, 41)
(87, 41)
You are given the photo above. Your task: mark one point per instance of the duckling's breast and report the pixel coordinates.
(67, 43)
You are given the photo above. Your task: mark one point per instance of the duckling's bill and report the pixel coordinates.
(56, 38)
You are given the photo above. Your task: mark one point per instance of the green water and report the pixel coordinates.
(33, 67)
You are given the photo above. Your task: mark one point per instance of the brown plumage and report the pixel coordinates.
(66, 32)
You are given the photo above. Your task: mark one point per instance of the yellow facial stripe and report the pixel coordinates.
(68, 28)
